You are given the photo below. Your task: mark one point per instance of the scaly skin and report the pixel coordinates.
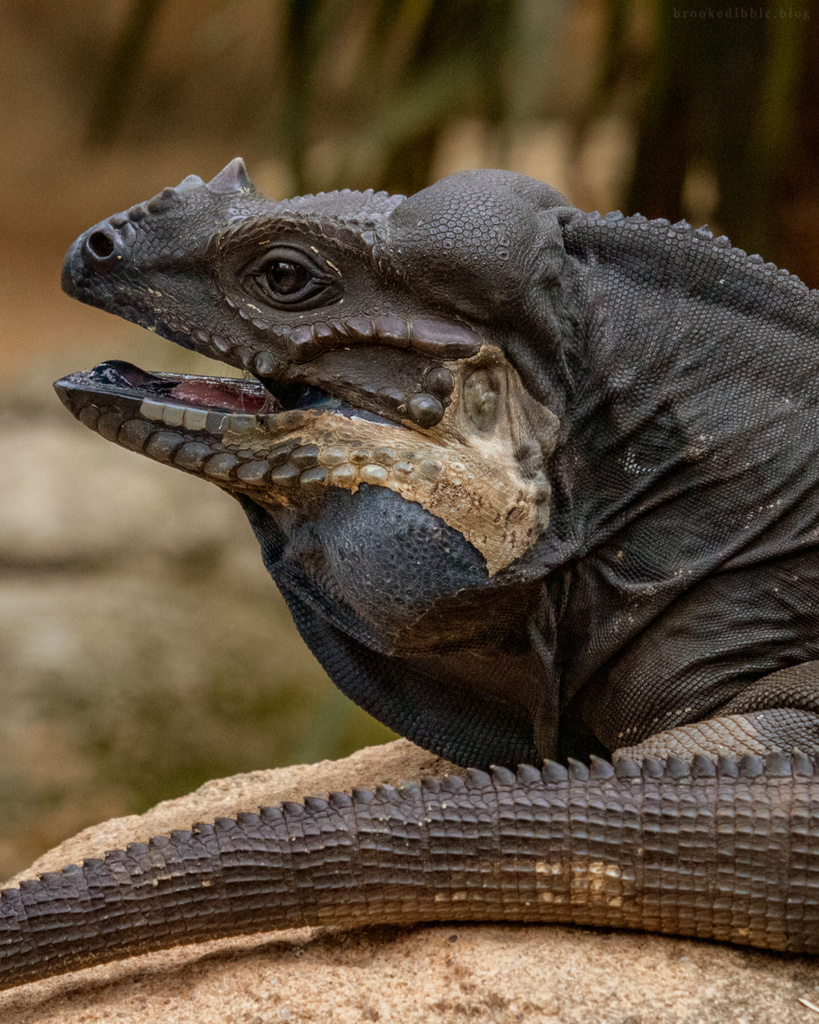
(722, 852)
(535, 483)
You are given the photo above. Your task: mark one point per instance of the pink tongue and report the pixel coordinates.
(217, 395)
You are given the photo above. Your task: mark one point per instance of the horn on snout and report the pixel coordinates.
(232, 178)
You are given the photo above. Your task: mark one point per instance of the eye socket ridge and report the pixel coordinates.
(284, 276)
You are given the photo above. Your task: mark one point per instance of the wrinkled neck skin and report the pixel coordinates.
(416, 600)
(683, 523)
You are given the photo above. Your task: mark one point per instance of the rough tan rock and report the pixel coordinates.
(392, 762)
(447, 973)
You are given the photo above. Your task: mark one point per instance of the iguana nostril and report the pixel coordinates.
(100, 244)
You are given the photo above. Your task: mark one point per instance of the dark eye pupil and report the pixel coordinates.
(286, 277)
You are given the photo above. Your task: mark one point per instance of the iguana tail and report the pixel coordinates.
(726, 850)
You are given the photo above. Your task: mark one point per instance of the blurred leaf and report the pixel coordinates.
(121, 71)
(417, 109)
(306, 27)
(428, 63)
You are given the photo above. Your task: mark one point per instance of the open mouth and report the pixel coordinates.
(266, 439)
(199, 403)
(286, 444)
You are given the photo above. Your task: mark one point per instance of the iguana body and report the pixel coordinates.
(535, 483)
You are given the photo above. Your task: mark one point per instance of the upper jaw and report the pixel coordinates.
(387, 363)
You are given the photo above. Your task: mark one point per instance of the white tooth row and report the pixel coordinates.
(173, 415)
(335, 468)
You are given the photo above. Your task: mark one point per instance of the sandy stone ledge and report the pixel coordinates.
(453, 973)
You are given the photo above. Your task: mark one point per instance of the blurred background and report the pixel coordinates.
(143, 649)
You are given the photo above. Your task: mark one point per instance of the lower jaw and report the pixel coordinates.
(277, 455)
(289, 458)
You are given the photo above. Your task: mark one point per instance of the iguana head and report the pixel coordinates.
(372, 329)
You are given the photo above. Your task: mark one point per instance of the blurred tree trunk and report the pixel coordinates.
(722, 97)
(796, 200)
(121, 70)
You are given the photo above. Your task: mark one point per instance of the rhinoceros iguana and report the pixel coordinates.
(537, 485)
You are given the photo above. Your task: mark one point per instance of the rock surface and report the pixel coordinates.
(447, 973)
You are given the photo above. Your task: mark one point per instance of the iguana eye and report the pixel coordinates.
(286, 277)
